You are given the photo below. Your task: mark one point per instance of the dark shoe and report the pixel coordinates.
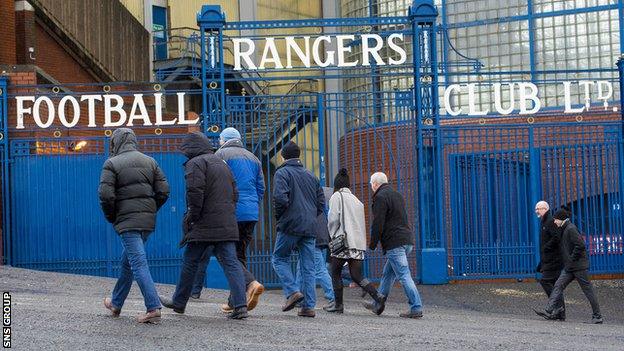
(546, 314)
(152, 317)
(292, 300)
(380, 300)
(376, 307)
(363, 293)
(238, 313)
(195, 296)
(254, 290)
(559, 314)
(306, 312)
(411, 314)
(169, 304)
(114, 310)
(334, 308)
(597, 320)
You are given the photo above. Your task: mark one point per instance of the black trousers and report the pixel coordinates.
(582, 277)
(245, 233)
(245, 236)
(549, 278)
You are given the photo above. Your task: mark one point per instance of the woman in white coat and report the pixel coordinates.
(346, 216)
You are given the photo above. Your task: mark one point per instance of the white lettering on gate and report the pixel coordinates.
(523, 98)
(245, 48)
(76, 108)
(109, 109)
(113, 105)
(36, 110)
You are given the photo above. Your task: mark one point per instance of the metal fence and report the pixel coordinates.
(464, 144)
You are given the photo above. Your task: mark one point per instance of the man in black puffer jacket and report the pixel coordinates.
(132, 189)
(210, 226)
(551, 262)
(576, 267)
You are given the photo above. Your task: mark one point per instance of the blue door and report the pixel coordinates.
(159, 28)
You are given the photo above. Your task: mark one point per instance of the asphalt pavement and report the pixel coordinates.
(54, 311)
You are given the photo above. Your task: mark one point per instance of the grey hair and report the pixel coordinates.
(379, 178)
(543, 203)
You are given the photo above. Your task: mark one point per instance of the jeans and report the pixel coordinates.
(284, 246)
(556, 297)
(134, 266)
(226, 255)
(322, 275)
(397, 267)
(245, 230)
(548, 280)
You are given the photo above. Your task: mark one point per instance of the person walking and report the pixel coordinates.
(298, 201)
(209, 225)
(132, 189)
(346, 217)
(247, 172)
(391, 228)
(551, 262)
(576, 267)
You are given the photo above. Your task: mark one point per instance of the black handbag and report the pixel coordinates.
(338, 242)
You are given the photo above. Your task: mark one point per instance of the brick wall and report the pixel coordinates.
(56, 61)
(7, 34)
(24, 36)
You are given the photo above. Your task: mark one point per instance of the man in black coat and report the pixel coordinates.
(576, 267)
(391, 228)
(551, 262)
(298, 201)
(132, 189)
(210, 226)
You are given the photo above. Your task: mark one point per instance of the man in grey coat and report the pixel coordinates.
(132, 189)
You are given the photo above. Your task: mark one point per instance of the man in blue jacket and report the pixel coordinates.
(247, 172)
(298, 200)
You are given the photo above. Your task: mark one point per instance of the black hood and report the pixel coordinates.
(123, 140)
(195, 144)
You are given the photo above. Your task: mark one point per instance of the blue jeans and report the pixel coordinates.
(322, 275)
(226, 255)
(397, 267)
(134, 266)
(284, 246)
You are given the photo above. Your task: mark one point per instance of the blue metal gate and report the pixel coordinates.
(470, 179)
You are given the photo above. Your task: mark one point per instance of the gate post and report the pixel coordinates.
(211, 22)
(320, 120)
(535, 186)
(620, 66)
(5, 236)
(433, 256)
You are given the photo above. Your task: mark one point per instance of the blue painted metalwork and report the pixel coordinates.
(532, 51)
(433, 254)
(211, 22)
(470, 182)
(534, 16)
(7, 243)
(620, 5)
